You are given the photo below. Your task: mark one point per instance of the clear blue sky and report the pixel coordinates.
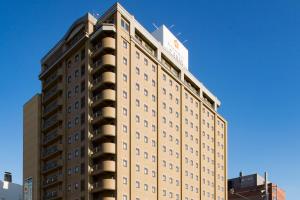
(245, 51)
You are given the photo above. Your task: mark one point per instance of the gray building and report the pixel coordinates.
(9, 190)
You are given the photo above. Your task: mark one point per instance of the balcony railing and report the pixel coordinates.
(106, 112)
(105, 130)
(104, 148)
(53, 91)
(104, 184)
(52, 165)
(52, 195)
(53, 77)
(51, 136)
(53, 120)
(105, 166)
(52, 150)
(52, 180)
(52, 106)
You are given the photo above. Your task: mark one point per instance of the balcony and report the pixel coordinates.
(104, 27)
(52, 151)
(104, 148)
(52, 122)
(52, 107)
(105, 113)
(107, 43)
(105, 78)
(51, 166)
(51, 181)
(107, 130)
(108, 198)
(105, 95)
(104, 184)
(53, 195)
(105, 166)
(106, 60)
(53, 78)
(52, 136)
(53, 92)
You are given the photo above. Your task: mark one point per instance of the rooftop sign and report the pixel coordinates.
(172, 45)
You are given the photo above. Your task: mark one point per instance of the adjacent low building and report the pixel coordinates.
(9, 190)
(253, 187)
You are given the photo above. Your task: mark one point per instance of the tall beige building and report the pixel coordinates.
(121, 117)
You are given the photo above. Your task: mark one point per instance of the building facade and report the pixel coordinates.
(123, 118)
(253, 187)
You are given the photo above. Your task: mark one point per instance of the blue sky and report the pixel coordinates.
(246, 52)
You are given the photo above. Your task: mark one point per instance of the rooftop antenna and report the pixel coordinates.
(155, 25)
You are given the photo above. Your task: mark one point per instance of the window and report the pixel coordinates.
(124, 128)
(146, 77)
(125, 181)
(124, 60)
(125, 25)
(125, 77)
(76, 105)
(76, 73)
(137, 55)
(76, 120)
(69, 94)
(76, 89)
(137, 86)
(145, 61)
(125, 94)
(124, 163)
(69, 109)
(125, 44)
(153, 68)
(124, 145)
(76, 57)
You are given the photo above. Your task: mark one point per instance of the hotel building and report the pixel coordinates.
(121, 117)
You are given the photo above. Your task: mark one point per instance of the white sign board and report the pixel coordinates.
(172, 45)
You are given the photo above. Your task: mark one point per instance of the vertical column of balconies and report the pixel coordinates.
(51, 147)
(103, 111)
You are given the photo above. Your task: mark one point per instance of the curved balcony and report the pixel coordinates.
(106, 43)
(106, 60)
(106, 112)
(104, 131)
(109, 42)
(108, 198)
(105, 95)
(105, 166)
(104, 184)
(105, 78)
(104, 148)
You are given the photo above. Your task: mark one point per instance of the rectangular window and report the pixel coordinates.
(125, 25)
